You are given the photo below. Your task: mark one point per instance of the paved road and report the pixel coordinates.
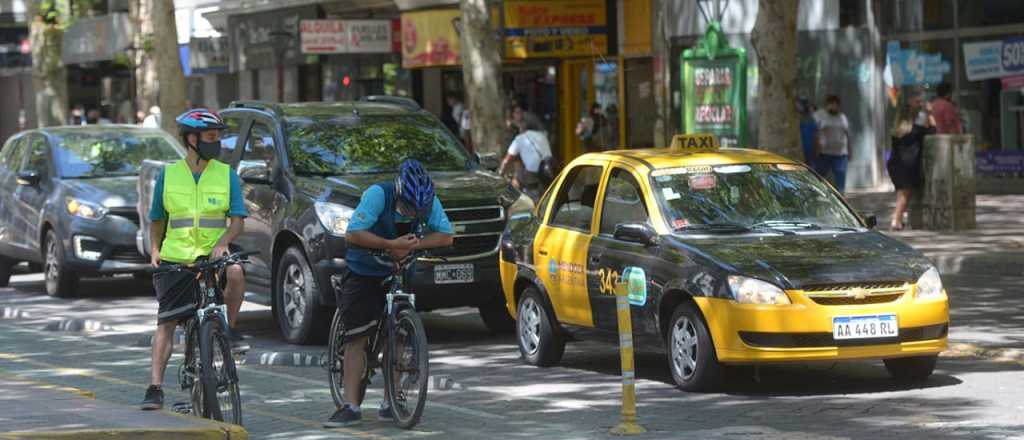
(481, 388)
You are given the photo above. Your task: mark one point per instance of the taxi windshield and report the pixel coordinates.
(747, 197)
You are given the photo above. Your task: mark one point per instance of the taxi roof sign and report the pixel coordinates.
(694, 142)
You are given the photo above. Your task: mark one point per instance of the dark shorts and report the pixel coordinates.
(361, 302)
(176, 292)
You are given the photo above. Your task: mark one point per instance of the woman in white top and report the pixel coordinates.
(532, 148)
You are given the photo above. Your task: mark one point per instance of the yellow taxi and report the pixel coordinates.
(728, 256)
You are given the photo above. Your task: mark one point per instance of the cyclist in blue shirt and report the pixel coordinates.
(388, 217)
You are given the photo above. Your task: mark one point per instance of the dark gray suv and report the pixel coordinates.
(68, 200)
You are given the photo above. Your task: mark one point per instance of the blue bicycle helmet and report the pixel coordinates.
(199, 119)
(414, 187)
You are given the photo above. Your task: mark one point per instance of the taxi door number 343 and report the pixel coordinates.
(864, 327)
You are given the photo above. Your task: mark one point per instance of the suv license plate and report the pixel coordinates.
(865, 327)
(453, 273)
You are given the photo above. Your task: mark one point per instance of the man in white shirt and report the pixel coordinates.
(457, 109)
(532, 148)
(833, 146)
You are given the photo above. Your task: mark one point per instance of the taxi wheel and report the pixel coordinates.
(5, 271)
(911, 368)
(540, 340)
(691, 352)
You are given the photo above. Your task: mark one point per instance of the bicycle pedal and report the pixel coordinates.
(182, 407)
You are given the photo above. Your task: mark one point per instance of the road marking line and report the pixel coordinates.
(250, 369)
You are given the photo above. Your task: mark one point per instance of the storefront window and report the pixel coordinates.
(900, 16)
(975, 13)
(992, 107)
(606, 95)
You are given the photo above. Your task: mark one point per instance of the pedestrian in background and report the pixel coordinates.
(532, 148)
(457, 108)
(911, 124)
(153, 119)
(833, 143)
(944, 112)
(590, 129)
(808, 130)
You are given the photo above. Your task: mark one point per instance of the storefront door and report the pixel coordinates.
(577, 97)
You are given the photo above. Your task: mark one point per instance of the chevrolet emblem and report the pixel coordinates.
(859, 294)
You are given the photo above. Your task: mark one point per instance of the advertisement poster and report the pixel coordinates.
(429, 38)
(323, 36)
(715, 98)
(536, 28)
(994, 59)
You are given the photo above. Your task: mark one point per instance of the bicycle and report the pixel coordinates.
(405, 375)
(208, 370)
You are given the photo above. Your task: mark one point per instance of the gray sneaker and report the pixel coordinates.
(343, 417)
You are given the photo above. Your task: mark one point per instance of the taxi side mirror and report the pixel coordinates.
(870, 220)
(641, 233)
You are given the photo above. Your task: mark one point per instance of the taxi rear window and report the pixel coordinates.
(746, 195)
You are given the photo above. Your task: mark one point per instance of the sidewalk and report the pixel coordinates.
(995, 248)
(35, 410)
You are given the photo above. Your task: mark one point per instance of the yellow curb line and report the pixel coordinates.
(87, 373)
(16, 378)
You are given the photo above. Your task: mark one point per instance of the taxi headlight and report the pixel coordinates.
(83, 209)
(522, 207)
(929, 286)
(334, 217)
(747, 290)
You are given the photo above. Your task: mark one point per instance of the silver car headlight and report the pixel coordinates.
(84, 209)
(334, 217)
(929, 286)
(747, 290)
(522, 207)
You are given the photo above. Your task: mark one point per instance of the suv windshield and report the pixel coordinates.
(333, 144)
(110, 154)
(741, 197)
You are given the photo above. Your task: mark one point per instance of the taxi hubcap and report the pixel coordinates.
(529, 326)
(684, 348)
(294, 290)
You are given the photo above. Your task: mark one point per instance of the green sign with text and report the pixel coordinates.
(714, 85)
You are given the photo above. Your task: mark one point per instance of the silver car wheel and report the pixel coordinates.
(684, 348)
(529, 325)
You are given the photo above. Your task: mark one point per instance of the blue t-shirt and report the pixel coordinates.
(371, 206)
(235, 209)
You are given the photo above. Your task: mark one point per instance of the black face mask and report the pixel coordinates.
(207, 150)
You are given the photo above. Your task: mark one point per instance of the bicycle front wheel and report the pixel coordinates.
(408, 371)
(218, 374)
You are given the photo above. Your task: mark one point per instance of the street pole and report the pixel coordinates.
(628, 425)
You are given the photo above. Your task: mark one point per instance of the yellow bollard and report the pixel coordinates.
(628, 425)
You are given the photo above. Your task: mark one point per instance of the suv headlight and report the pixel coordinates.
(333, 216)
(929, 286)
(83, 209)
(522, 207)
(747, 290)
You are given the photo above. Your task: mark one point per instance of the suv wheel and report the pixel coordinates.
(296, 296)
(61, 282)
(5, 271)
(691, 353)
(496, 317)
(540, 338)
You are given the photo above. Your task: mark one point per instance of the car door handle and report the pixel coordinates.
(595, 259)
(543, 252)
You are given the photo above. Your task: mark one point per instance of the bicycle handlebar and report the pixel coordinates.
(237, 257)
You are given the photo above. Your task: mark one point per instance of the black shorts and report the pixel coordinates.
(361, 302)
(176, 292)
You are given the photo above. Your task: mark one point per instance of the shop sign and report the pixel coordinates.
(263, 39)
(93, 39)
(1000, 162)
(535, 28)
(369, 36)
(715, 89)
(908, 67)
(323, 36)
(994, 59)
(209, 55)
(429, 38)
(1013, 82)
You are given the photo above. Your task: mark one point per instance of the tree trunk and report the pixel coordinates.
(168, 64)
(481, 76)
(144, 59)
(774, 37)
(49, 78)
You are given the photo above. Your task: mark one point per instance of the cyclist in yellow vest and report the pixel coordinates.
(197, 211)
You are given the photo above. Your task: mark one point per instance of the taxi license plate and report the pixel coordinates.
(453, 273)
(865, 327)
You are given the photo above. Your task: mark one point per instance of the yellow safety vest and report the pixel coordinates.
(197, 213)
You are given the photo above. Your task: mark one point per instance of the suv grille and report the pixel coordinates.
(475, 215)
(856, 294)
(465, 245)
(126, 254)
